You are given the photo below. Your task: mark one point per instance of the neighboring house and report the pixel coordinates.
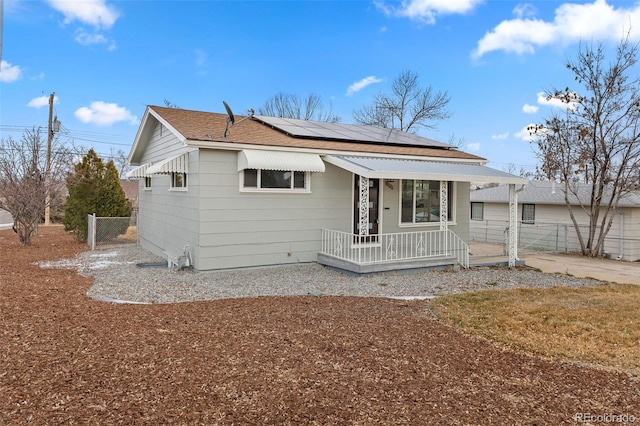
(130, 188)
(6, 220)
(545, 222)
(219, 193)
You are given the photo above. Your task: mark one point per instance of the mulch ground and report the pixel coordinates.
(67, 359)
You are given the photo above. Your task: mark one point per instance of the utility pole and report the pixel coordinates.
(47, 176)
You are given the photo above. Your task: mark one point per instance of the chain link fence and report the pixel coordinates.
(551, 237)
(111, 230)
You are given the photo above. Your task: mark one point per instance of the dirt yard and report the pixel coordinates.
(67, 359)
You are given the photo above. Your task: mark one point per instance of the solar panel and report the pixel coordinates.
(347, 132)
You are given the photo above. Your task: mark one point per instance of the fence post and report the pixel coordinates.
(91, 230)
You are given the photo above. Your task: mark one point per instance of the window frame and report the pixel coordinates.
(147, 183)
(292, 189)
(479, 204)
(451, 208)
(183, 185)
(532, 211)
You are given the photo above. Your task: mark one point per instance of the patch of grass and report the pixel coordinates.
(596, 325)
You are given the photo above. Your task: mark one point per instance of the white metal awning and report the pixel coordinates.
(393, 168)
(279, 160)
(177, 164)
(138, 172)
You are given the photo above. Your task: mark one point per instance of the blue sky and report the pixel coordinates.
(107, 60)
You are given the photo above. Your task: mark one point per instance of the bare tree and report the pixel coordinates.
(595, 143)
(22, 179)
(455, 141)
(286, 105)
(121, 162)
(409, 107)
(170, 104)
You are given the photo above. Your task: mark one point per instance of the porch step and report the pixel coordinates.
(438, 263)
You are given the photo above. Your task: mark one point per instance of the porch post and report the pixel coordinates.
(364, 206)
(444, 202)
(513, 225)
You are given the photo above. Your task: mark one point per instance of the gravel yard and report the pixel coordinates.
(117, 277)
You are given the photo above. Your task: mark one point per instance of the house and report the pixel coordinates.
(221, 191)
(130, 188)
(6, 220)
(544, 219)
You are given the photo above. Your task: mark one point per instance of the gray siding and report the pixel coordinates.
(241, 229)
(168, 220)
(228, 228)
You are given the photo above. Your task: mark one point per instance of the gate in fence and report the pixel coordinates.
(111, 230)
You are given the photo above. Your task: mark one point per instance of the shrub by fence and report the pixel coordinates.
(111, 230)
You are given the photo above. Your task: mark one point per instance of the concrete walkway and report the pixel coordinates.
(616, 271)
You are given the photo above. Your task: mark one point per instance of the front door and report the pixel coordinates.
(374, 203)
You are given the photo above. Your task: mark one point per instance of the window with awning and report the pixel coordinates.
(138, 172)
(279, 160)
(177, 164)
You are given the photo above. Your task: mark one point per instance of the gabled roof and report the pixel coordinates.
(545, 192)
(205, 130)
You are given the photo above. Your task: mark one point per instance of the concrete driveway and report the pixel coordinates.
(617, 271)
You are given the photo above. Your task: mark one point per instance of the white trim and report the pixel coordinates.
(185, 182)
(279, 160)
(236, 146)
(451, 196)
(290, 190)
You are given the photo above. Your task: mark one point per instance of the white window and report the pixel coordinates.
(147, 182)
(178, 180)
(275, 180)
(420, 201)
(477, 211)
(529, 214)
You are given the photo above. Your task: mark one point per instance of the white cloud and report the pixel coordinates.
(524, 10)
(474, 146)
(555, 102)
(572, 23)
(359, 85)
(9, 73)
(104, 114)
(500, 136)
(41, 101)
(86, 39)
(530, 109)
(91, 12)
(525, 133)
(428, 10)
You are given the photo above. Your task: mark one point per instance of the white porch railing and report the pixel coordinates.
(394, 247)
